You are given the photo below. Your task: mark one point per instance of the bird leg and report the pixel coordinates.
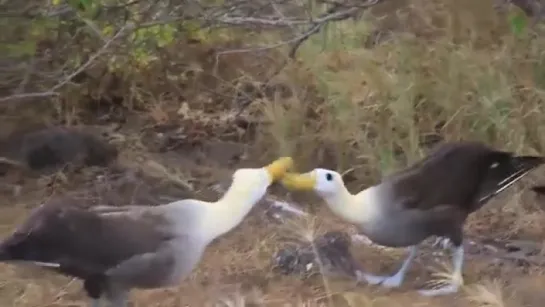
(392, 281)
(456, 279)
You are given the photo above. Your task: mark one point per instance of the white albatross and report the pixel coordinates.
(116, 249)
(433, 197)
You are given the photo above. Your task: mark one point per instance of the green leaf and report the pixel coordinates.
(108, 30)
(86, 4)
(518, 22)
(82, 5)
(22, 49)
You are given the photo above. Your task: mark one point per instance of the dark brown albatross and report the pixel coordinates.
(116, 249)
(433, 197)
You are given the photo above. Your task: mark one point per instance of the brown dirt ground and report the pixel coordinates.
(240, 261)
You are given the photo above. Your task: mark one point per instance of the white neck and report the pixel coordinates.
(229, 211)
(356, 209)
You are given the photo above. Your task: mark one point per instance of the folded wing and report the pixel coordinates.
(465, 175)
(84, 243)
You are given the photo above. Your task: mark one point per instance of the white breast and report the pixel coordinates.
(372, 204)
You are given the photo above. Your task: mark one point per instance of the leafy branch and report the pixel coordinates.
(67, 37)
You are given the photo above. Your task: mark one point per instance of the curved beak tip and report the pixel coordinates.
(279, 167)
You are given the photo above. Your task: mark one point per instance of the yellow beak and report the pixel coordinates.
(294, 181)
(279, 167)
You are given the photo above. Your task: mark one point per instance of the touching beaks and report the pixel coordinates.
(295, 181)
(278, 168)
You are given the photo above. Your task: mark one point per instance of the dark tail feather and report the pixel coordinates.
(539, 189)
(13, 248)
(508, 170)
(5, 255)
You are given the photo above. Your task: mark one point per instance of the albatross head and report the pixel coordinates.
(253, 182)
(329, 185)
(248, 186)
(324, 182)
(266, 175)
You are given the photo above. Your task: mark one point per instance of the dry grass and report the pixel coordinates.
(466, 78)
(448, 68)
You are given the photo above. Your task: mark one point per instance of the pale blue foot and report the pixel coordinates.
(457, 279)
(370, 278)
(393, 281)
(449, 289)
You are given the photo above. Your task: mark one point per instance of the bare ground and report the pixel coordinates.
(238, 266)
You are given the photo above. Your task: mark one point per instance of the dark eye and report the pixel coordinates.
(328, 177)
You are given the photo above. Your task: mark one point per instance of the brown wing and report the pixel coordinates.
(462, 174)
(83, 243)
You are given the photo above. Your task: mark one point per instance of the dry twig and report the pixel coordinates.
(53, 90)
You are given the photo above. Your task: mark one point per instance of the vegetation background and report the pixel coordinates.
(188, 90)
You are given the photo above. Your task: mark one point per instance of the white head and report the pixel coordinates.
(329, 185)
(252, 183)
(324, 182)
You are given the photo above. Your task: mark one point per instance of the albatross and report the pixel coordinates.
(433, 197)
(116, 249)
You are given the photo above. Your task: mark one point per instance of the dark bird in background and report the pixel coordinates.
(433, 197)
(54, 147)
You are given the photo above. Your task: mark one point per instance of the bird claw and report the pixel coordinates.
(369, 278)
(450, 289)
(392, 281)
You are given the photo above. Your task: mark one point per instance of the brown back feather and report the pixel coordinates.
(457, 174)
(82, 242)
